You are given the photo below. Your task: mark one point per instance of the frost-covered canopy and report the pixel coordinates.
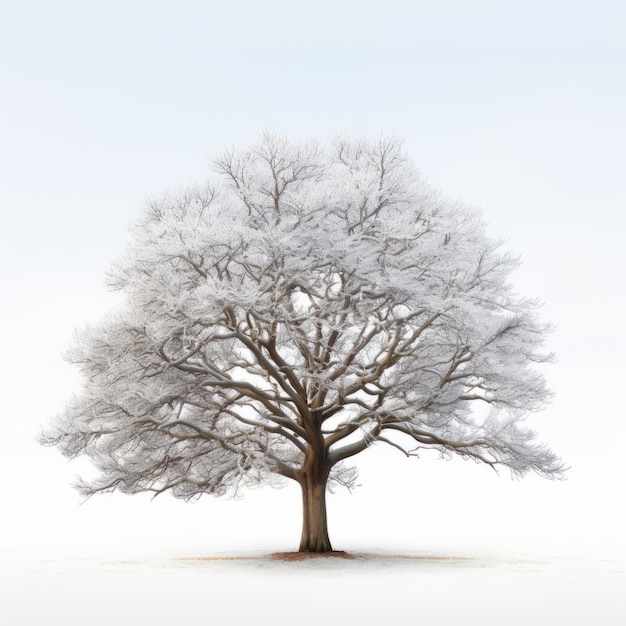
(307, 298)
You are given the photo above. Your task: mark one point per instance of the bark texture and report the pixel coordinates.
(313, 480)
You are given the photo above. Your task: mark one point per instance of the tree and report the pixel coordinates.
(309, 303)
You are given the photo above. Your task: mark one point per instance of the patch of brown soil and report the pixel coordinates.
(337, 554)
(425, 557)
(216, 558)
(302, 556)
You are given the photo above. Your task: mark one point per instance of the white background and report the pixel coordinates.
(516, 107)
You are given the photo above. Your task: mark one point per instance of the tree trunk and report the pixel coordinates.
(314, 524)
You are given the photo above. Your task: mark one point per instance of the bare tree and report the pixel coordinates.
(308, 303)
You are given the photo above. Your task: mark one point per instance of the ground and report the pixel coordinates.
(276, 588)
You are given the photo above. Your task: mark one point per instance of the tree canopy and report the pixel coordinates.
(306, 303)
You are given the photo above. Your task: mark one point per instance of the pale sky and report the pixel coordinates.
(518, 108)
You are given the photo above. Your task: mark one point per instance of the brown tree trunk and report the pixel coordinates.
(314, 524)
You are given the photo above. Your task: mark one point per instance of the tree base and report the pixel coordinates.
(303, 556)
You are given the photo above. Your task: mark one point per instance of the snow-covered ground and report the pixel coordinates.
(375, 588)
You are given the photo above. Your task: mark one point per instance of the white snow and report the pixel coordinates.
(158, 589)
